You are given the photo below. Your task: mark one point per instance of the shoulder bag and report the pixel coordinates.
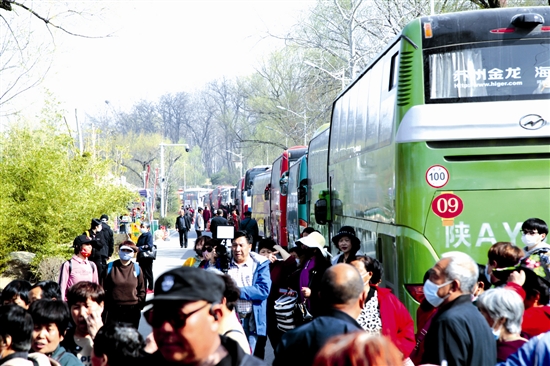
(152, 253)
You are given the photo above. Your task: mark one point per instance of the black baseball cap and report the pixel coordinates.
(188, 284)
(82, 239)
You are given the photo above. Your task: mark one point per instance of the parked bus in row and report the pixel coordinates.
(248, 182)
(296, 196)
(277, 200)
(261, 211)
(193, 197)
(442, 143)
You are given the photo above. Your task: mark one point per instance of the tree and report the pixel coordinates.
(49, 191)
(28, 32)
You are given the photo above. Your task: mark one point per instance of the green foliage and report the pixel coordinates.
(50, 192)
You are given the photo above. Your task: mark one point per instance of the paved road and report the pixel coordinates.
(170, 256)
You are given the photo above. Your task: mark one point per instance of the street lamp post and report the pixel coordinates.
(162, 178)
(299, 115)
(240, 156)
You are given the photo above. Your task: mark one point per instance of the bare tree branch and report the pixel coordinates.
(47, 21)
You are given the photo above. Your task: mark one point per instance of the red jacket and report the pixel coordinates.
(536, 320)
(397, 323)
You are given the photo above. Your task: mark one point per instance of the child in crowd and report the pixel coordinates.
(51, 318)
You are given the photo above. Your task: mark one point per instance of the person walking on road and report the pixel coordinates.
(183, 224)
(199, 223)
(145, 244)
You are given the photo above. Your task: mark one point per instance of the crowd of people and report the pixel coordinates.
(222, 305)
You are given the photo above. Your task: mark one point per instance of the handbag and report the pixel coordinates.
(149, 254)
(284, 311)
(290, 313)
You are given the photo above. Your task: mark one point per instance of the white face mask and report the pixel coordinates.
(125, 256)
(496, 333)
(531, 240)
(430, 291)
(143, 230)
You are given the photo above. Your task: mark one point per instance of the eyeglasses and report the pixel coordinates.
(529, 232)
(208, 249)
(176, 318)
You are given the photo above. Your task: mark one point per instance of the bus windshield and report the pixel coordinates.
(488, 72)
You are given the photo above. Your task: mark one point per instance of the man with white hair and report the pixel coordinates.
(458, 333)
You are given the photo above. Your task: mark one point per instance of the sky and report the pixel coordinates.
(163, 47)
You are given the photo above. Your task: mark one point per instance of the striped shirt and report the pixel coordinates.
(242, 274)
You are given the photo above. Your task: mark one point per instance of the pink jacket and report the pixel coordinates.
(76, 270)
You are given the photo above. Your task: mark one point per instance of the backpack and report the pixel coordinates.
(92, 264)
(137, 268)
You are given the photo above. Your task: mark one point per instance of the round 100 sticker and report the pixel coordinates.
(437, 176)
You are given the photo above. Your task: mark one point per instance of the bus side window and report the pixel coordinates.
(375, 84)
(394, 71)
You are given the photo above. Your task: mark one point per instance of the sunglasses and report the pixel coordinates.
(208, 249)
(172, 315)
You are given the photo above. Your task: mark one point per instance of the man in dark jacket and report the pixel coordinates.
(458, 332)
(250, 225)
(185, 318)
(218, 220)
(183, 224)
(107, 240)
(342, 291)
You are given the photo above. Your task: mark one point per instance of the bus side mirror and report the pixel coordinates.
(283, 183)
(336, 206)
(302, 192)
(321, 212)
(302, 195)
(266, 192)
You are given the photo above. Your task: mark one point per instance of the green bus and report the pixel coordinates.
(443, 142)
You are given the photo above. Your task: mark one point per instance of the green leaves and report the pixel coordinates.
(50, 192)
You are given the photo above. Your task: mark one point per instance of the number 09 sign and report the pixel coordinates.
(447, 206)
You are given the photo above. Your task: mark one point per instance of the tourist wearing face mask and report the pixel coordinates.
(145, 244)
(533, 235)
(78, 268)
(458, 332)
(503, 310)
(124, 287)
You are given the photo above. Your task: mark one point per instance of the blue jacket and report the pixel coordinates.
(536, 352)
(258, 292)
